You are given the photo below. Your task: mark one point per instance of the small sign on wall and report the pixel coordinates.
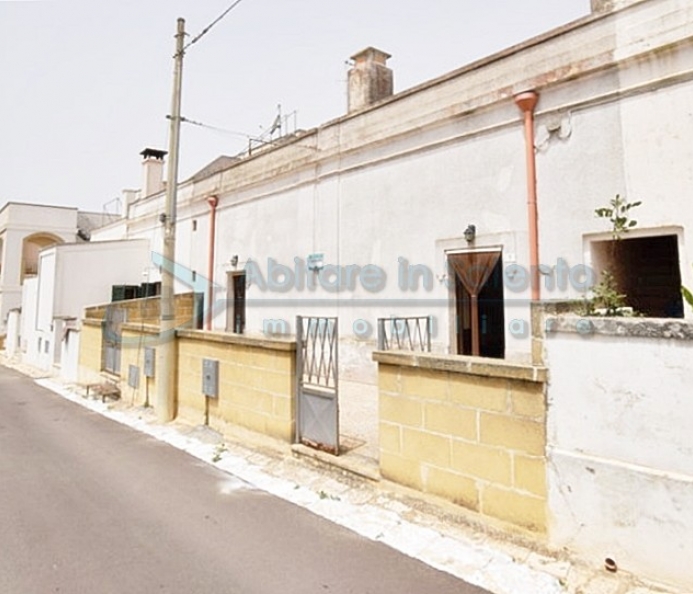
(315, 261)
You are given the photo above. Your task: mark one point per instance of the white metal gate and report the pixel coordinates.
(318, 382)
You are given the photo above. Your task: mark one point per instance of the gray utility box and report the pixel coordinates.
(210, 378)
(149, 361)
(134, 376)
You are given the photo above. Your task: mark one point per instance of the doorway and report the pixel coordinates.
(235, 316)
(479, 305)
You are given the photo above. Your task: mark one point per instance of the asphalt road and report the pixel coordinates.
(90, 506)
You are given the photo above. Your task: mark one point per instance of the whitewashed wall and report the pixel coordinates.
(620, 446)
(405, 178)
(104, 264)
(69, 356)
(46, 289)
(28, 340)
(71, 277)
(14, 321)
(18, 221)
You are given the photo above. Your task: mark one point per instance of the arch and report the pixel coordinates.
(31, 246)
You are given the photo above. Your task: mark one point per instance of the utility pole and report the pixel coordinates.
(166, 352)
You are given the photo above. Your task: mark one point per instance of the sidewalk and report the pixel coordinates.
(426, 528)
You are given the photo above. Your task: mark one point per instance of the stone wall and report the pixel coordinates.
(257, 382)
(90, 356)
(469, 430)
(146, 310)
(135, 338)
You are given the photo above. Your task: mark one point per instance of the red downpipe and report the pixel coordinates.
(212, 201)
(527, 102)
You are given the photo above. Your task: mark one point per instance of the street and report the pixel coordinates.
(88, 505)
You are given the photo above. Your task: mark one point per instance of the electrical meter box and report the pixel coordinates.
(210, 378)
(149, 361)
(134, 376)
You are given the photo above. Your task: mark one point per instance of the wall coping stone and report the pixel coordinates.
(140, 328)
(93, 322)
(463, 364)
(655, 328)
(258, 342)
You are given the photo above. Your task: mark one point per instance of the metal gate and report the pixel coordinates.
(112, 338)
(318, 383)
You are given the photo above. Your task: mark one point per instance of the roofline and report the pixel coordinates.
(37, 205)
(478, 64)
(91, 244)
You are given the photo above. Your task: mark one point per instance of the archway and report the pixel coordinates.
(31, 246)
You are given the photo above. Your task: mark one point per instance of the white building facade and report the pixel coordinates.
(25, 229)
(70, 278)
(362, 217)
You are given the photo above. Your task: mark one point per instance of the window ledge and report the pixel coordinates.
(656, 328)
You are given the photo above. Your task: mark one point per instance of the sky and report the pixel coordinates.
(86, 85)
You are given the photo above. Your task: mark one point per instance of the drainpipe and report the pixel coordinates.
(527, 102)
(212, 201)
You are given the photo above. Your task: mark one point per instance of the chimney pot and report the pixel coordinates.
(152, 171)
(370, 80)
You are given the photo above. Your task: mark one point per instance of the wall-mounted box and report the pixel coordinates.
(210, 378)
(149, 361)
(134, 376)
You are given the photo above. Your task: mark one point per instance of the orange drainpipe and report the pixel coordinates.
(527, 102)
(212, 201)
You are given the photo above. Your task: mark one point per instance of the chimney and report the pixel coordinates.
(129, 196)
(370, 80)
(152, 171)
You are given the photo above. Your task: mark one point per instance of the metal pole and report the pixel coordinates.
(299, 377)
(166, 353)
(212, 201)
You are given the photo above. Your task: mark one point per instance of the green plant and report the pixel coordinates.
(218, 451)
(618, 214)
(687, 295)
(607, 300)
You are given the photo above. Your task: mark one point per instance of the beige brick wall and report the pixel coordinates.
(478, 440)
(256, 382)
(132, 353)
(147, 310)
(90, 352)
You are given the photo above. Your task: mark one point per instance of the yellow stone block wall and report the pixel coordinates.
(477, 441)
(146, 310)
(90, 352)
(132, 353)
(256, 386)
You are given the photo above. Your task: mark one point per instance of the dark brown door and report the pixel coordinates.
(238, 280)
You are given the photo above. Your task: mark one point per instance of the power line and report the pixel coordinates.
(215, 128)
(208, 27)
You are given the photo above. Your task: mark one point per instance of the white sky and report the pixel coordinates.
(86, 85)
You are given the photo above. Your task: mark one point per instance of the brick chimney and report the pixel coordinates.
(370, 80)
(152, 171)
